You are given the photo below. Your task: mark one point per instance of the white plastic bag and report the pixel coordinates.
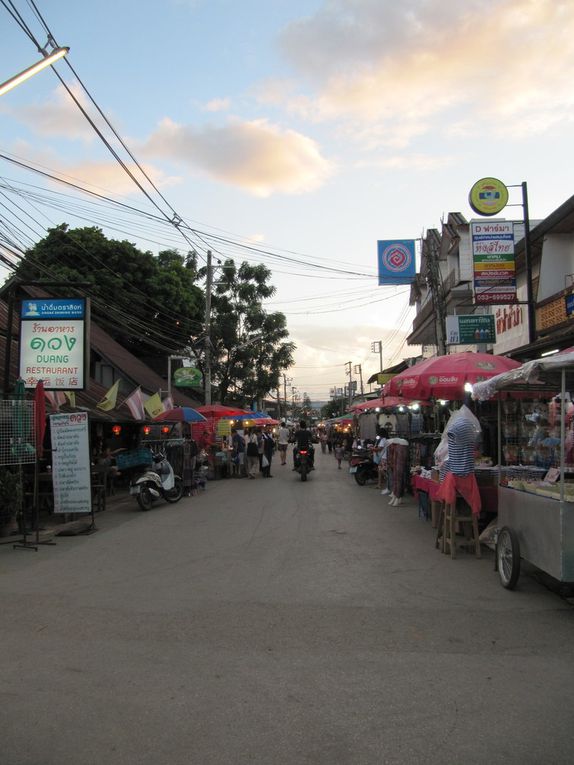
(264, 462)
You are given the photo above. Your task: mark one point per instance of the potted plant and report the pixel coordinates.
(10, 500)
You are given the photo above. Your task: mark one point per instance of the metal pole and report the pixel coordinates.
(8, 352)
(207, 372)
(528, 263)
(562, 432)
(169, 376)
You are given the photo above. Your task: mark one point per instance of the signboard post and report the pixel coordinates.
(53, 343)
(71, 472)
(493, 258)
(470, 330)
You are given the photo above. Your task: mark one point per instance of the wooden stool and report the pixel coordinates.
(450, 516)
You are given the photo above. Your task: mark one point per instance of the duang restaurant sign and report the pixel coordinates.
(53, 343)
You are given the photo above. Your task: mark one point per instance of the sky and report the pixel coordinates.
(306, 129)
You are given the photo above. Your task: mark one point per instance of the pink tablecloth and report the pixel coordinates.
(425, 484)
(466, 486)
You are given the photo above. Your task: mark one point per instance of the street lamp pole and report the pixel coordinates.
(48, 60)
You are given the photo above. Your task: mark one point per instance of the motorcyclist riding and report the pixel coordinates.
(303, 440)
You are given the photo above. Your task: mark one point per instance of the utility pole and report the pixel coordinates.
(207, 371)
(286, 381)
(358, 369)
(349, 371)
(434, 280)
(377, 347)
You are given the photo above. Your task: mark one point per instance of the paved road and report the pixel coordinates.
(274, 622)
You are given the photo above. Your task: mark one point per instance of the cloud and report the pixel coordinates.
(258, 155)
(57, 116)
(506, 64)
(217, 105)
(101, 177)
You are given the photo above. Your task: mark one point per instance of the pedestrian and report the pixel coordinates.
(323, 440)
(237, 453)
(339, 452)
(282, 442)
(259, 434)
(190, 452)
(252, 453)
(380, 459)
(268, 449)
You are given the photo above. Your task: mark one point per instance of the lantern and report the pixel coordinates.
(165, 429)
(146, 430)
(116, 430)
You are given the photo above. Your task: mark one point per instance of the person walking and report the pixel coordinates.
(283, 442)
(238, 453)
(268, 449)
(252, 453)
(190, 452)
(339, 452)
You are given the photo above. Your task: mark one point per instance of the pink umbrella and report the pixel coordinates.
(445, 376)
(40, 417)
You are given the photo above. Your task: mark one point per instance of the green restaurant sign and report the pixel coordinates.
(470, 330)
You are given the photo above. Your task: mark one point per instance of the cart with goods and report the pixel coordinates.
(536, 468)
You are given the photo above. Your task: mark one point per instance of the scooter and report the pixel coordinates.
(159, 482)
(362, 467)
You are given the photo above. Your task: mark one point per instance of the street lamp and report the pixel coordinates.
(48, 60)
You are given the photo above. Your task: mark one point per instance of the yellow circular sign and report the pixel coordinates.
(488, 196)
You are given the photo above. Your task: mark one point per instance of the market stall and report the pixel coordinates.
(536, 469)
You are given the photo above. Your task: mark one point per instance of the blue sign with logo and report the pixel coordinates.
(396, 261)
(570, 304)
(58, 308)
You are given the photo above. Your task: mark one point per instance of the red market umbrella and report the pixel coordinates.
(40, 417)
(445, 376)
(180, 414)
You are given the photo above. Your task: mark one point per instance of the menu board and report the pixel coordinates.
(71, 463)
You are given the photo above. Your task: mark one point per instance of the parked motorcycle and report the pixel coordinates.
(362, 467)
(158, 482)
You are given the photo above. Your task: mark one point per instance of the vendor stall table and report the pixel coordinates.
(536, 517)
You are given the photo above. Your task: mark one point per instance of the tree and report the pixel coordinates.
(149, 304)
(333, 408)
(249, 345)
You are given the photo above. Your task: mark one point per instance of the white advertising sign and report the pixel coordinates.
(71, 471)
(52, 343)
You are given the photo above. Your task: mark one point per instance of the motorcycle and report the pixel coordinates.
(362, 467)
(303, 463)
(158, 482)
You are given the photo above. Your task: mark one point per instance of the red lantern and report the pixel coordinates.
(116, 430)
(146, 430)
(165, 430)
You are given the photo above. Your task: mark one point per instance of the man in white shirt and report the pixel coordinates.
(282, 441)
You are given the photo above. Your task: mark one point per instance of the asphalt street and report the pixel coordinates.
(275, 621)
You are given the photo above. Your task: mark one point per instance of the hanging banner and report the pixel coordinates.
(493, 262)
(53, 343)
(396, 261)
(71, 463)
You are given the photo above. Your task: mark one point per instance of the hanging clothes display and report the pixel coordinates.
(398, 466)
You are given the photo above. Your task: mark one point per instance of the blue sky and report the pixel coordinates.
(313, 128)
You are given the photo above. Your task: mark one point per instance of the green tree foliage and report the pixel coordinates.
(249, 345)
(334, 408)
(149, 304)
